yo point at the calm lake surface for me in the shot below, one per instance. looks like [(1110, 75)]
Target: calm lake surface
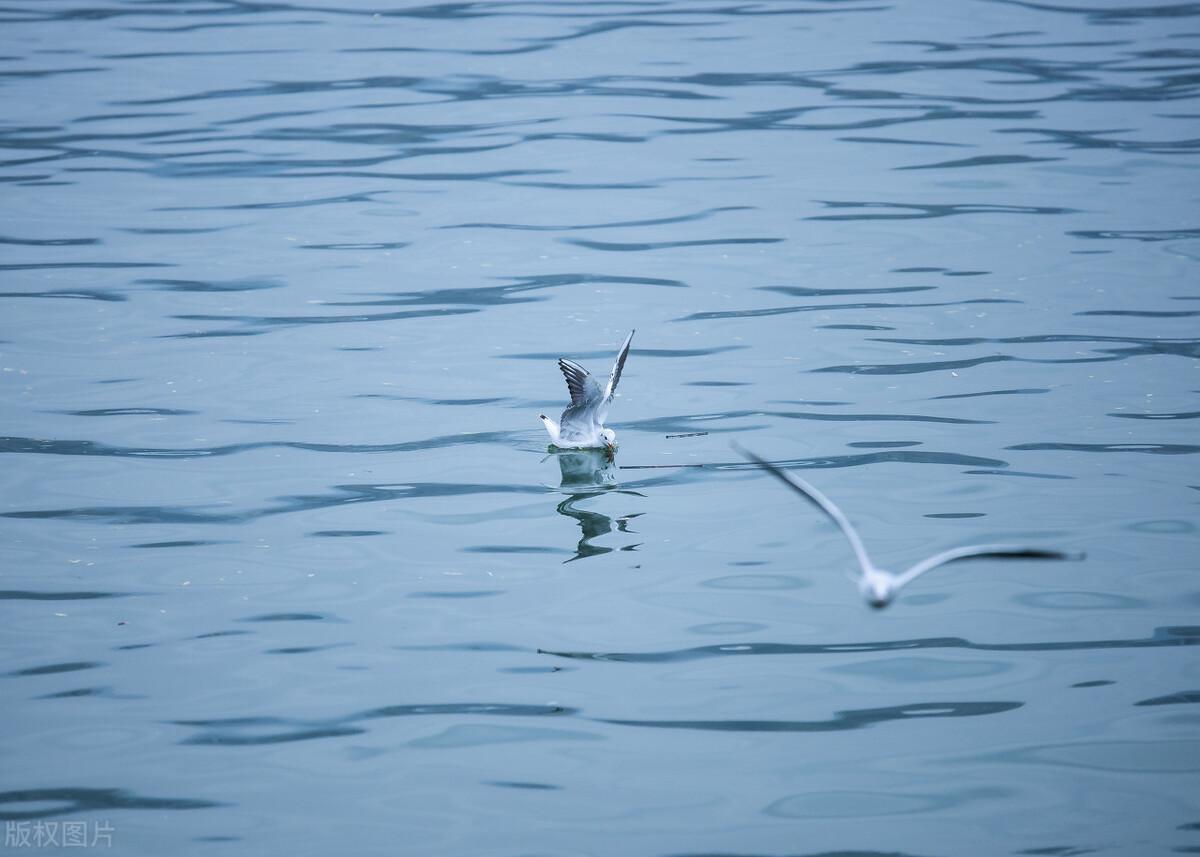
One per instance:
[(285, 567)]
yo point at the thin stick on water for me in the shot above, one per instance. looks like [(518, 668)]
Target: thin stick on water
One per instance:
[(655, 466)]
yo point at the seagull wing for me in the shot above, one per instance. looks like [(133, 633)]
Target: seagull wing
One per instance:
[(582, 385), (812, 495), (981, 552), (617, 367)]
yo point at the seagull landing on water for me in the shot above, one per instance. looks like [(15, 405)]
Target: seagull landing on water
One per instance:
[(877, 586), (582, 423)]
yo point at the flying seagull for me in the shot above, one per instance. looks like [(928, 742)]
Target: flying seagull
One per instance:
[(875, 584), (582, 423)]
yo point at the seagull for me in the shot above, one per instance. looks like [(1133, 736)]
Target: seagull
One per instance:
[(875, 584), (582, 423)]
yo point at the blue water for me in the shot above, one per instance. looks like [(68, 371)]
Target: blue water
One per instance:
[(286, 567)]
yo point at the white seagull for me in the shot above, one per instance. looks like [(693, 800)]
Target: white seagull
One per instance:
[(582, 423), (875, 584)]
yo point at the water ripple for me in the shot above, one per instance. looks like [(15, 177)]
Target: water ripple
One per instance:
[(70, 294), (341, 495), (841, 721), (249, 731), (48, 242), (88, 447), (126, 412), (516, 291), (787, 310), (1136, 347), (1152, 448), (34, 595), (1183, 697), (979, 161), (365, 196), (62, 266), (808, 292), (256, 325), (1071, 139), (52, 669), (685, 422), (659, 221), (1114, 14), (245, 284), (1142, 313), (1165, 636), (1186, 415), (1145, 235), (914, 368), (923, 211), (782, 119), (665, 245), (1018, 392), (73, 801)]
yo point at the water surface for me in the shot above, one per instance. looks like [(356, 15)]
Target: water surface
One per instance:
[(287, 568)]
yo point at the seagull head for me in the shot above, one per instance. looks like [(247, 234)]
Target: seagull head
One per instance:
[(610, 441)]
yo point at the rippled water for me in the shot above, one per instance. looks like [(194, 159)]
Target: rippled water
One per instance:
[(287, 569)]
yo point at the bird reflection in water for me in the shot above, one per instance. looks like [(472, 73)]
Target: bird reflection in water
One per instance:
[(585, 474)]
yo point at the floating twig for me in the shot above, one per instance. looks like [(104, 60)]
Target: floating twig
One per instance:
[(656, 466), (688, 434)]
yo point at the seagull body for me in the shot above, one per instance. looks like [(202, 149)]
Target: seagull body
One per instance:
[(879, 586), (582, 423)]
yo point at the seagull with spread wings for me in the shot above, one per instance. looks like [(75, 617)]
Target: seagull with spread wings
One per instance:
[(875, 584), (582, 423)]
